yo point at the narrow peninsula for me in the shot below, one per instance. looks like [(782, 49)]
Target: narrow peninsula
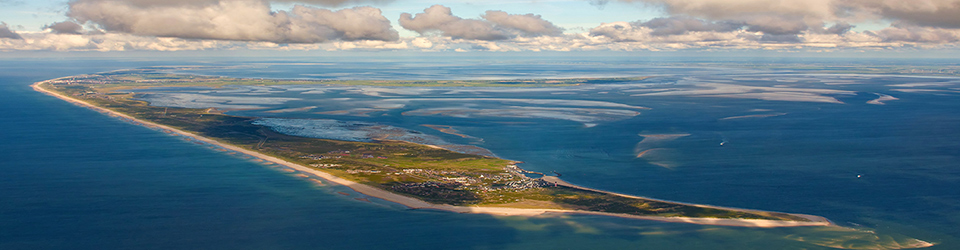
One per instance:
[(414, 175)]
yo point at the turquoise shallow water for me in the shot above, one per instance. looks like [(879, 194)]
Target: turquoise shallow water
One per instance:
[(75, 179)]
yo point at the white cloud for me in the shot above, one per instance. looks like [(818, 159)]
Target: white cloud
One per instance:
[(5, 32), (528, 25), (495, 25), (238, 20), (918, 34), (108, 42), (170, 25), (422, 43), (813, 13), (439, 18), (66, 27), (207, 2)]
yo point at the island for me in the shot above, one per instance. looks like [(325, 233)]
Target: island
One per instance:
[(414, 175)]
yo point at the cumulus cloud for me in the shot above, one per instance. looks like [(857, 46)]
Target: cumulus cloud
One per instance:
[(146, 3), (782, 38), (66, 27), (675, 33), (101, 42), (439, 18), (791, 22), (168, 25), (422, 43), (495, 25), (92, 41), (659, 31), (925, 13), (700, 22), (335, 2), (619, 31), (5, 32), (770, 17), (237, 20), (776, 25), (529, 24), (838, 28), (900, 32), (678, 25), (738, 9)]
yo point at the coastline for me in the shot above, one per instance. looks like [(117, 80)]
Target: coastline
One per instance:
[(414, 203)]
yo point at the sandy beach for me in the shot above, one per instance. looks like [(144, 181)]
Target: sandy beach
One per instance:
[(414, 203)]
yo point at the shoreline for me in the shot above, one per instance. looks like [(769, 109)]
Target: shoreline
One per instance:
[(414, 203)]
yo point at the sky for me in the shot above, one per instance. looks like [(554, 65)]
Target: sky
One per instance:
[(825, 26)]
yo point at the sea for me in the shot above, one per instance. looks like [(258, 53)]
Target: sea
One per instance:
[(870, 144)]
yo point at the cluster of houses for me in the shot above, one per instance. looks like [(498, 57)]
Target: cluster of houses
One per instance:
[(81, 79), (355, 171), (325, 165), (336, 154), (512, 179), (370, 156), (312, 157), (523, 184), (339, 152)]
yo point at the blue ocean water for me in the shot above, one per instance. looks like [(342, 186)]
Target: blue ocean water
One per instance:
[(75, 179)]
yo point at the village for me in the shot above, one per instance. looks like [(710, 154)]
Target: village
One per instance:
[(511, 178)]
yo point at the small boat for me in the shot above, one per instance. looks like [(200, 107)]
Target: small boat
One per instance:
[(723, 142)]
